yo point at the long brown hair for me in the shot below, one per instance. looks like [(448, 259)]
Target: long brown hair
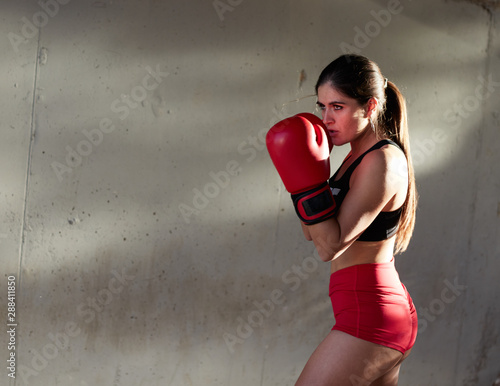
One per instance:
[(360, 78)]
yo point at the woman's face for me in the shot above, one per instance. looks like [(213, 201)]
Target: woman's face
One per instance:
[(344, 118)]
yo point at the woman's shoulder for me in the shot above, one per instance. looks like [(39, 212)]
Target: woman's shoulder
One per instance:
[(384, 163)]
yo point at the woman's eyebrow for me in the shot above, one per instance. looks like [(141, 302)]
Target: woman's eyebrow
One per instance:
[(331, 103)]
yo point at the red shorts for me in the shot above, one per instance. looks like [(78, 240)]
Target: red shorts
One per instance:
[(370, 302)]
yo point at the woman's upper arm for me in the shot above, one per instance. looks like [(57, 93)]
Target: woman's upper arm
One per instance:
[(371, 188)]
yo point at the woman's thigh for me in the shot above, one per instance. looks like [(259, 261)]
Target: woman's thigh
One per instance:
[(342, 359)]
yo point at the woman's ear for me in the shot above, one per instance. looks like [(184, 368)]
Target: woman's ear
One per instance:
[(371, 107)]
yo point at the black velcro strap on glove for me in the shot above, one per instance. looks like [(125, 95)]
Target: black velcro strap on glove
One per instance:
[(315, 205)]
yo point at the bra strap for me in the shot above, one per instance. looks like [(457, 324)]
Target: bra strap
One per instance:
[(358, 160)]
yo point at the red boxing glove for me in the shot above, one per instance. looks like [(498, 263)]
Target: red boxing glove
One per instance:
[(299, 148), (318, 122)]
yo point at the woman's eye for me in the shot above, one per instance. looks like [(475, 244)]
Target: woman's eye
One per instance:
[(337, 107)]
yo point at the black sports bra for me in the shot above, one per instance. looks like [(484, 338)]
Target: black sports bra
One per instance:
[(385, 224)]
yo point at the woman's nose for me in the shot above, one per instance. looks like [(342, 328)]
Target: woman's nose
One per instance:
[(327, 116)]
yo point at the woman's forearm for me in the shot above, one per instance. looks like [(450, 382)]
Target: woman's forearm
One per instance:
[(326, 237)]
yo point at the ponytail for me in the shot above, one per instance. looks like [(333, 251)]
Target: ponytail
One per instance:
[(394, 125)]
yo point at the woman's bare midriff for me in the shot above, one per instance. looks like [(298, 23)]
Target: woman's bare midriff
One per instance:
[(365, 252)]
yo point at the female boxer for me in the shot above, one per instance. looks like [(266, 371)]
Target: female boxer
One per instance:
[(358, 222)]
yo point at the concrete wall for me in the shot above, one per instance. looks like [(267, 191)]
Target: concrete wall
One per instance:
[(150, 238)]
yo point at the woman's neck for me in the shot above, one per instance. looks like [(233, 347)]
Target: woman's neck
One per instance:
[(363, 142)]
